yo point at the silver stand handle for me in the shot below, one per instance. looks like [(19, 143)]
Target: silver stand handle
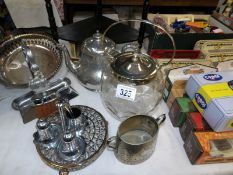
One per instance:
[(63, 105), (38, 79)]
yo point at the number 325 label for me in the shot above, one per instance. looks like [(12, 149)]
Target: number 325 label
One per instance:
[(125, 92)]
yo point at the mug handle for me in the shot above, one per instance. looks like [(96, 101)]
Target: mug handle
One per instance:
[(160, 119), (111, 143)]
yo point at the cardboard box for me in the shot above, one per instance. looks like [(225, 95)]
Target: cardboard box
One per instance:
[(179, 110), (215, 50), (193, 148), (170, 18), (177, 63), (197, 80), (162, 41), (193, 123), (216, 46), (219, 114), (223, 19), (225, 65), (178, 90), (183, 73), (211, 19), (219, 60), (209, 147), (213, 97)]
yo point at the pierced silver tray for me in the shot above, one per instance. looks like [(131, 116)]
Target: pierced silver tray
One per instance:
[(95, 136), (13, 67)]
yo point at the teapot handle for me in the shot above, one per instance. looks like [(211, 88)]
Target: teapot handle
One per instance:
[(146, 22)]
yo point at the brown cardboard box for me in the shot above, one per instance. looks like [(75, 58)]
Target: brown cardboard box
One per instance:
[(183, 73), (179, 110), (193, 123), (209, 147), (178, 90)]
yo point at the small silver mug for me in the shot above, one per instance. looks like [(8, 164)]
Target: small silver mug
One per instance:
[(136, 138)]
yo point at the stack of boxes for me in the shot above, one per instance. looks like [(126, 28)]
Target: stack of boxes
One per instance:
[(204, 115), (213, 97), (176, 80)]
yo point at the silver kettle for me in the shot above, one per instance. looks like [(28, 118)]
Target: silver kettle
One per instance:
[(95, 54)]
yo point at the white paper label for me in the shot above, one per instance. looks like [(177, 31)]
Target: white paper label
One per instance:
[(125, 92)]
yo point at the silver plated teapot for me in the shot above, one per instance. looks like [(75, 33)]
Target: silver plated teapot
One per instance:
[(133, 83), (94, 56)]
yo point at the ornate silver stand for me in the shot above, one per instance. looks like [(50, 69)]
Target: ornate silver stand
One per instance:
[(94, 134)]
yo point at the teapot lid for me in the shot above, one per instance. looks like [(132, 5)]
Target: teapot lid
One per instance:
[(95, 45), (134, 66)]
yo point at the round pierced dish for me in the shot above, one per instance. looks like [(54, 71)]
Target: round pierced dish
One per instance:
[(14, 70)]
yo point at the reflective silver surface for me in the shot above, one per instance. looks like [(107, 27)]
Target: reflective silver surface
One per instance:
[(47, 135), (38, 80), (134, 66), (39, 105), (94, 56), (14, 69), (136, 139), (71, 147), (77, 122), (92, 140)]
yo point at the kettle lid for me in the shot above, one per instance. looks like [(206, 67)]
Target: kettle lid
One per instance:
[(134, 66), (95, 45)]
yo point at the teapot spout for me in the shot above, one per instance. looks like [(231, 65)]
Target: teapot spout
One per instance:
[(71, 66)]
